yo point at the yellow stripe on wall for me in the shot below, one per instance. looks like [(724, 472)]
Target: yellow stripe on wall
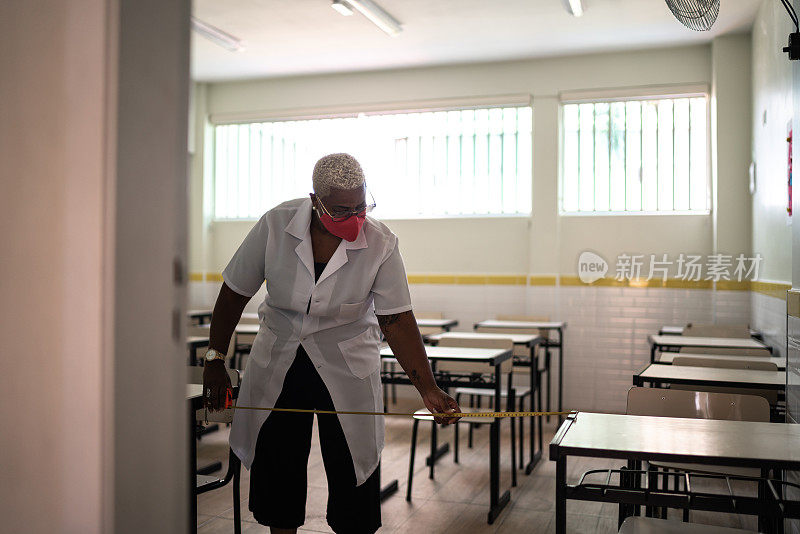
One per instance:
[(772, 289), (734, 285), (538, 280)]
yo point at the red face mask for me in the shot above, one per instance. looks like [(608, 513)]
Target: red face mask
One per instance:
[(347, 229)]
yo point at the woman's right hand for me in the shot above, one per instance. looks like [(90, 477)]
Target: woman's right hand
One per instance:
[(216, 385)]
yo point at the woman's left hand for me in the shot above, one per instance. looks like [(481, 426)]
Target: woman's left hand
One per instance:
[(437, 401)]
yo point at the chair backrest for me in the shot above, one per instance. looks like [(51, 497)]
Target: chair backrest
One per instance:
[(717, 330), (515, 317), (697, 405), (771, 396), (428, 315), (732, 352), (430, 330), (497, 330), (475, 343), (724, 364), (531, 318)]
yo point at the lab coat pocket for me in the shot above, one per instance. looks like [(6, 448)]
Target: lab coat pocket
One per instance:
[(352, 310), (361, 353), (261, 351)]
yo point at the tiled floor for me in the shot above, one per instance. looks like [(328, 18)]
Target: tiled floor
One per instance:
[(456, 501)]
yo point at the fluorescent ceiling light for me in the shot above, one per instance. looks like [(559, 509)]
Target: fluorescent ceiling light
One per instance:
[(377, 15), (341, 8), (214, 34), (574, 7)]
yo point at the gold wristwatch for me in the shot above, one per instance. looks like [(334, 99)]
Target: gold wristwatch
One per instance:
[(212, 354)]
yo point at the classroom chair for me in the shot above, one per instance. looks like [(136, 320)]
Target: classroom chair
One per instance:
[(651, 525), (717, 330), (428, 315), (522, 352), (520, 392), (731, 352), (661, 402), (529, 318), (693, 361), (389, 364), (770, 395), (426, 331), (206, 483), (424, 414)]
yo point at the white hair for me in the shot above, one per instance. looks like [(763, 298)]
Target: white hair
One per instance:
[(337, 171)]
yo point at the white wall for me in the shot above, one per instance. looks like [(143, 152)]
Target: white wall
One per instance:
[(474, 247), (772, 111)]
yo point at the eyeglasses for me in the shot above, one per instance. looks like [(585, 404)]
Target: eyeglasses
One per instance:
[(341, 215)]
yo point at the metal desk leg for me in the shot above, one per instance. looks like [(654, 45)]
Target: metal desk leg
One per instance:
[(653, 353), (561, 495), (560, 373), (389, 488), (540, 421), (763, 520), (535, 457), (436, 451), (496, 501), (549, 378), (432, 458)]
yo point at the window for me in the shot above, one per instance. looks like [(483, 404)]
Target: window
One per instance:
[(635, 156), (428, 164)]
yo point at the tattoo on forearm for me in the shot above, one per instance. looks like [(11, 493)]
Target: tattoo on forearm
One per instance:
[(414, 376)]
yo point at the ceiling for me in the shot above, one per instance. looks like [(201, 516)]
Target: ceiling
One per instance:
[(294, 37)]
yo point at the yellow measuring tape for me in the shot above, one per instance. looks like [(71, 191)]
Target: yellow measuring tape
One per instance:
[(405, 414)]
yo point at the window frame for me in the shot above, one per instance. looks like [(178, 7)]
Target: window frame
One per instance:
[(338, 112), (648, 93)]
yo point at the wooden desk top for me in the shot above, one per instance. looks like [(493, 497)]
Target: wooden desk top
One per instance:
[(678, 331), (194, 391), (704, 441), (717, 342), (517, 339), (714, 375), (440, 323), (667, 357), (541, 325), (459, 354)]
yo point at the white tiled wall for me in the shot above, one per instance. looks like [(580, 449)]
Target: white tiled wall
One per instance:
[(606, 336), (768, 314), (607, 327)]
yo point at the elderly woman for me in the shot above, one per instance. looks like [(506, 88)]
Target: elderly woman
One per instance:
[(333, 277)]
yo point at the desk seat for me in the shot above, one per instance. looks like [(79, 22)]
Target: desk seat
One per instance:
[(650, 525)]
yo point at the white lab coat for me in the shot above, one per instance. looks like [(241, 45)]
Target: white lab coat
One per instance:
[(340, 331)]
